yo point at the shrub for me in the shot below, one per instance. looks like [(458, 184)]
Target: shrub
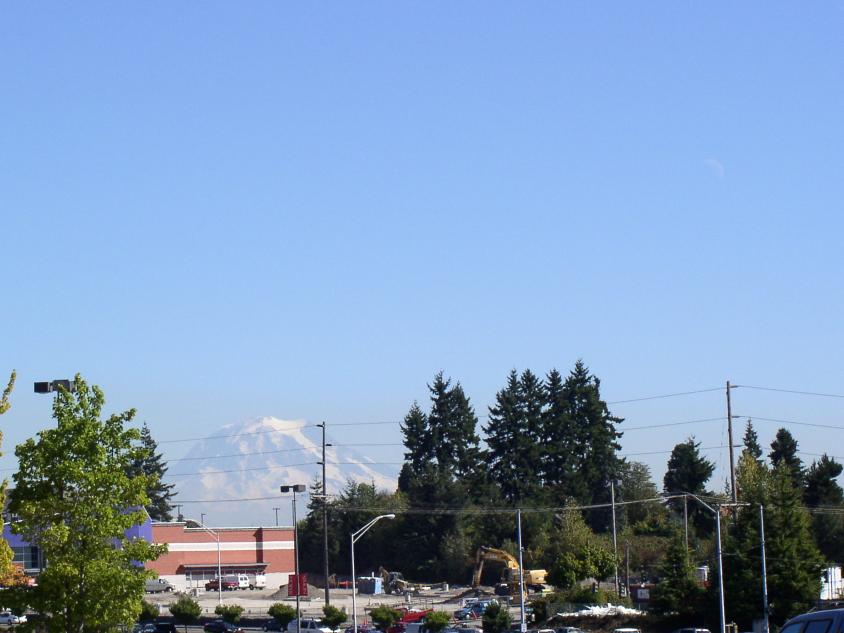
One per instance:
[(229, 612), (148, 613), (384, 617), (332, 617), (436, 621), (284, 614), (185, 610), (496, 619)]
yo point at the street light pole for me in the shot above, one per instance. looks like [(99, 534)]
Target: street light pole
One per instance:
[(764, 569), (522, 622), (614, 537), (296, 488), (354, 538), (219, 559)]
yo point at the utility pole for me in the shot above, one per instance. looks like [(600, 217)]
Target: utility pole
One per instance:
[(627, 568), (324, 518), (686, 521), (732, 458)]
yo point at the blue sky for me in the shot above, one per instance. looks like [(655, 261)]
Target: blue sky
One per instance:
[(221, 210)]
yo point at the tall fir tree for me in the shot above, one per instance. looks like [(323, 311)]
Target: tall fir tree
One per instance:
[(150, 463), (677, 591), (751, 442), (822, 491), (597, 444), (688, 471), (560, 442), (512, 437), (784, 451)]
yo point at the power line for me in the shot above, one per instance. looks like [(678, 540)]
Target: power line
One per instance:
[(239, 470), (659, 426), (779, 421), (220, 437), (666, 395), (281, 450), (795, 391), (702, 448)]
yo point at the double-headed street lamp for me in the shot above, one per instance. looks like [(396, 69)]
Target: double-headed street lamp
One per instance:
[(294, 489), (355, 537), (216, 536)]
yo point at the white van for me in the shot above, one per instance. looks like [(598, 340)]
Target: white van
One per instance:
[(257, 581)]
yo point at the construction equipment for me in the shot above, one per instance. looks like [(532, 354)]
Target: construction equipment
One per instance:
[(533, 578), (394, 582)]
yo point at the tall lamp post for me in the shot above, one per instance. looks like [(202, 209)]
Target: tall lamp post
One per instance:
[(717, 512), (355, 537), (216, 536), (614, 537), (294, 489)]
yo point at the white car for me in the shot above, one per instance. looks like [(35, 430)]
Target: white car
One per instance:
[(9, 618)]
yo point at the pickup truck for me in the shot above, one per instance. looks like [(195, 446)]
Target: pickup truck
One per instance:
[(157, 585), (228, 584)]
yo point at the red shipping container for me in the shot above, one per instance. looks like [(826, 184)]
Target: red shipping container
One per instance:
[(297, 586)]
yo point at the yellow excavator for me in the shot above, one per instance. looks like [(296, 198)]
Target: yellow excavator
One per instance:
[(533, 578)]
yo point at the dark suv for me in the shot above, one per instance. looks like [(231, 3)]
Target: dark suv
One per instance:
[(220, 626), (829, 621)]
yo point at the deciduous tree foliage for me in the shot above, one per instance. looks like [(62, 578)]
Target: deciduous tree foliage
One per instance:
[(284, 614), (75, 501), (496, 619), (185, 610), (10, 575)]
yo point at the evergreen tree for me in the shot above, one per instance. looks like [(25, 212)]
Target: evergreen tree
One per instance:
[(596, 440), (512, 437), (418, 440), (795, 564), (560, 443), (150, 464), (677, 590), (688, 471), (784, 451), (822, 490), (636, 485), (751, 442)]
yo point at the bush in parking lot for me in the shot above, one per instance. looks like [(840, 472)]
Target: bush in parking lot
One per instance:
[(149, 612), (496, 619), (384, 617), (284, 614), (229, 612), (332, 617), (185, 610), (436, 621)]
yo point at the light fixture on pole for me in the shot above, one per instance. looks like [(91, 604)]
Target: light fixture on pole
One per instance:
[(294, 489), (216, 536), (717, 512), (53, 385), (355, 537)]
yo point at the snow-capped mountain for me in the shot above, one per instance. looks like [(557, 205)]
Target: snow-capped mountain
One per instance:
[(248, 460)]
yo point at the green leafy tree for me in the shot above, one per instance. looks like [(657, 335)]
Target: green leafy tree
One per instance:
[(677, 590), (229, 612), (151, 463), (822, 491), (75, 501), (10, 575), (148, 613), (384, 617), (784, 451), (284, 614), (636, 485), (185, 610), (688, 471), (577, 553), (496, 619), (332, 617), (437, 621)]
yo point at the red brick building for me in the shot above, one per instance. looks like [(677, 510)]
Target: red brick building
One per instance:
[(192, 556)]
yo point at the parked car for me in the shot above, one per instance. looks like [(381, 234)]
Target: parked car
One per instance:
[(569, 629), (690, 630), (309, 626), (827, 621), (221, 626), (627, 630), (10, 619), (273, 625), (165, 627)]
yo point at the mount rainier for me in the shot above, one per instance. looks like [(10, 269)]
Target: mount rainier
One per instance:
[(248, 460)]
